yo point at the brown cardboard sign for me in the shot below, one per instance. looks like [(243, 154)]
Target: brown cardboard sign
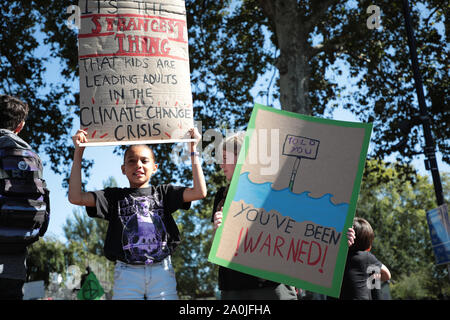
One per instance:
[(285, 219), (134, 72)]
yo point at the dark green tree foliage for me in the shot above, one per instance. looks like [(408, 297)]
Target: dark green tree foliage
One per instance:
[(24, 27), (89, 232), (229, 50), (44, 257), (313, 36), (84, 246)]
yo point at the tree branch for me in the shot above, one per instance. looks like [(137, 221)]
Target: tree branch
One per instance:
[(337, 46), (320, 8), (427, 20), (268, 7)]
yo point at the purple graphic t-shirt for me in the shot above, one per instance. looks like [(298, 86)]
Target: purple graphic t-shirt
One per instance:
[(141, 228)]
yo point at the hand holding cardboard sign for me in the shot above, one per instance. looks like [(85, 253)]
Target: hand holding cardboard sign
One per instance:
[(78, 138), (218, 219), (351, 236), (194, 135)]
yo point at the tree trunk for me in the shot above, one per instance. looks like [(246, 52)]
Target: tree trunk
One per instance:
[(294, 79), (292, 63)]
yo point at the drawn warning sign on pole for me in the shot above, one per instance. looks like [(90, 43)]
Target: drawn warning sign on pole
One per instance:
[(134, 72), (299, 147)]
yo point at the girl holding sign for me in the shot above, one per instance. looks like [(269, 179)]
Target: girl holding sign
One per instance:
[(233, 284)]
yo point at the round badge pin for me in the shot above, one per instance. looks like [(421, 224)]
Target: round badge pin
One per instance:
[(22, 165)]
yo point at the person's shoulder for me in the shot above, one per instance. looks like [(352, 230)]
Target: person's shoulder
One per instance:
[(366, 256), (109, 191), (113, 188), (151, 190), (372, 258), (6, 142), (220, 193), (166, 188), (8, 139), (357, 255)]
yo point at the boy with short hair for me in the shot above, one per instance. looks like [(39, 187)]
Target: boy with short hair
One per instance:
[(24, 198), (361, 265), (142, 233)]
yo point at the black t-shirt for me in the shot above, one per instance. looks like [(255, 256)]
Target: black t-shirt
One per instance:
[(230, 279), (141, 228), (359, 267)]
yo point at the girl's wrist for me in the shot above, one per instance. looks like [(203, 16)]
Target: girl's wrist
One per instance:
[(79, 151)]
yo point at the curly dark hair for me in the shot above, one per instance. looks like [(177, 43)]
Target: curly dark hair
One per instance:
[(12, 112)]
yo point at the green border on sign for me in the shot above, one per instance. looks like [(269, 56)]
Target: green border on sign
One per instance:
[(335, 288)]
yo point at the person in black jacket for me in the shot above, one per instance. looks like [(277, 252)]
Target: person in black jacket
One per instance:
[(363, 272), (24, 198)]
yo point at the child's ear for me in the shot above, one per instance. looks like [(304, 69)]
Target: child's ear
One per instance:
[(155, 167), (19, 127), (123, 168)]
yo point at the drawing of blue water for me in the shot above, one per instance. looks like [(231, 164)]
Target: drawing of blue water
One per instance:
[(300, 207)]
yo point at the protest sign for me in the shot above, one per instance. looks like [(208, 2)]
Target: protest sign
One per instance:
[(439, 227), (289, 225), (134, 72)]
